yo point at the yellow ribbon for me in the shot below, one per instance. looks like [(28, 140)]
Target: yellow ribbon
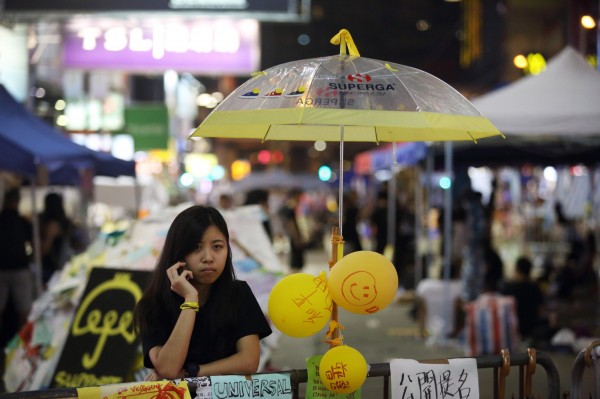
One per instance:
[(388, 66), (344, 39), (333, 325), (334, 342)]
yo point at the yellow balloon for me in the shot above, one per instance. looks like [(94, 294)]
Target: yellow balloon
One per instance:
[(300, 305), (363, 282), (343, 369)]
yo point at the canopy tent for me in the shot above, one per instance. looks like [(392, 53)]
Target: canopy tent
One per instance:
[(561, 101), (27, 143), (29, 146), (104, 164), (552, 118)]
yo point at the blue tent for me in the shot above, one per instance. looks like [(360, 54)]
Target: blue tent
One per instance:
[(28, 143)]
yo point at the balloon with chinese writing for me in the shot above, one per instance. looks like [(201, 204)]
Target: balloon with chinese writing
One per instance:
[(363, 282), (300, 305), (343, 369)]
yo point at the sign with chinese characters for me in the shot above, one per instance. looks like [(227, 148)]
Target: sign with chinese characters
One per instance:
[(101, 342), (315, 389), (207, 46), (411, 379)]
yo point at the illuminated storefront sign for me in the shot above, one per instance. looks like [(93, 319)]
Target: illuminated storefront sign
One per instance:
[(206, 46), (264, 10)]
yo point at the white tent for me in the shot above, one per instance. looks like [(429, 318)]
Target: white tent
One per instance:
[(562, 101), (549, 119)]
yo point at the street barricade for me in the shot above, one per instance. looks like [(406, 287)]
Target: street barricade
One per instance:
[(588, 357), (501, 366)]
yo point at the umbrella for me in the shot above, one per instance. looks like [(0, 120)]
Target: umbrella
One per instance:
[(345, 97)]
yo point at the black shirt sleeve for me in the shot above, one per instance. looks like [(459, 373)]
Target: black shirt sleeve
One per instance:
[(251, 317)]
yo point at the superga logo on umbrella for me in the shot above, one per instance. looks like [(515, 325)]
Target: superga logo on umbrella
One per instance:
[(359, 78), (360, 82)]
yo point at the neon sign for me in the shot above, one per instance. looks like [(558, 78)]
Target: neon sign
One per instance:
[(221, 46)]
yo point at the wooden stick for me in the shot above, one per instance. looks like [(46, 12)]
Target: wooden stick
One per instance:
[(336, 241)]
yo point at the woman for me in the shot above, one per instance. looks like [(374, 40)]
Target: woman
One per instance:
[(195, 318)]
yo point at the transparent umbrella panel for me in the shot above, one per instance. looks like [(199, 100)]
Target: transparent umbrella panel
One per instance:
[(373, 100)]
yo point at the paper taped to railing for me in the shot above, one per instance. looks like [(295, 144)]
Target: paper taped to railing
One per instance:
[(263, 386), (457, 378), (137, 390)]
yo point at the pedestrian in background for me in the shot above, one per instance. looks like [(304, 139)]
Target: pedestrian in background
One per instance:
[(56, 235), (528, 295), (379, 220), (16, 281), (350, 223), (290, 217), (261, 197)]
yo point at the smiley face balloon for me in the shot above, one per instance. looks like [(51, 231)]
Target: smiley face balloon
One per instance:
[(363, 282)]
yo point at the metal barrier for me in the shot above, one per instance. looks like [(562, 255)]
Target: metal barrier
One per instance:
[(590, 358), (500, 364)]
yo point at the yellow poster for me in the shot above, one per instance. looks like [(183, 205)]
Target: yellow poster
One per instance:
[(138, 390)]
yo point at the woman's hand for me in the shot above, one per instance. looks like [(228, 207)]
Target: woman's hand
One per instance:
[(180, 278), (152, 376)]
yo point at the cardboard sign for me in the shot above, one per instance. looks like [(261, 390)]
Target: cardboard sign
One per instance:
[(102, 345), (137, 390), (315, 389), (263, 386)]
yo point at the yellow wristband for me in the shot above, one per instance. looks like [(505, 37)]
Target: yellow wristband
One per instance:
[(190, 305)]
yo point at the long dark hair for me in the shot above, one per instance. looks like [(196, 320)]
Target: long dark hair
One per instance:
[(158, 303)]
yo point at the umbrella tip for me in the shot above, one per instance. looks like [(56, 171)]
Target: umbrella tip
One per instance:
[(344, 39)]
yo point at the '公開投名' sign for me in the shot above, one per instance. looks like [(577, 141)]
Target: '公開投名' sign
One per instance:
[(102, 344), (411, 379)]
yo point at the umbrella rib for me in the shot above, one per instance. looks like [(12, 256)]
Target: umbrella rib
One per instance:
[(471, 136), (309, 85), (408, 92), (265, 136)]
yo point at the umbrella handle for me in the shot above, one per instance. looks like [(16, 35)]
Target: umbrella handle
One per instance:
[(344, 39), (337, 248)]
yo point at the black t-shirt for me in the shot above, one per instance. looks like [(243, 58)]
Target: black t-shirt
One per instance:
[(250, 320), (15, 232), (529, 298)]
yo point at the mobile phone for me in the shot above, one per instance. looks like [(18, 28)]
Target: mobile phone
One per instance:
[(182, 269)]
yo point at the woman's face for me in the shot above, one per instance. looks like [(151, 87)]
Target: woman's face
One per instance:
[(207, 261)]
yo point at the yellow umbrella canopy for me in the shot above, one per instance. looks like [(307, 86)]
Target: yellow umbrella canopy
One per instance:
[(364, 99)]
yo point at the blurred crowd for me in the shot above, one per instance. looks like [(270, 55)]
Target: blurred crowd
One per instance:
[(537, 295)]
